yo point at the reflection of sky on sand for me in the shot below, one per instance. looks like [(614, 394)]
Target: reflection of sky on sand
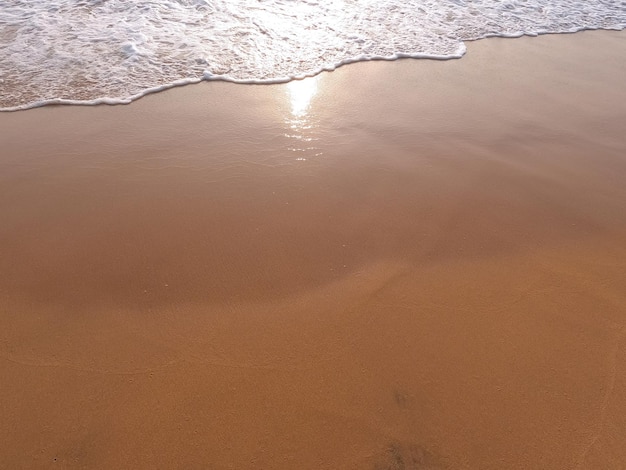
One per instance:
[(300, 94)]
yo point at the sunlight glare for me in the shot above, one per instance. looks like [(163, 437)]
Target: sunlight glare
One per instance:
[(300, 94)]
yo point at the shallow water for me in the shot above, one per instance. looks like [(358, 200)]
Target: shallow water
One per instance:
[(113, 51)]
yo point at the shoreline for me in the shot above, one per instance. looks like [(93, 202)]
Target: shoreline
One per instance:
[(409, 264), (282, 80)]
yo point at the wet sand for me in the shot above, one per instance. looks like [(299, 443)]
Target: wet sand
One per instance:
[(406, 265)]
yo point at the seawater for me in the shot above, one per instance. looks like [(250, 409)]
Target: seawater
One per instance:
[(114, 51)]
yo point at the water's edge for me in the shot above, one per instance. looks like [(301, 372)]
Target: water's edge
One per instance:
[(226, 78)]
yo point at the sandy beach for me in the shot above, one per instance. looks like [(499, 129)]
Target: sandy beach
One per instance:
[(397, 265)]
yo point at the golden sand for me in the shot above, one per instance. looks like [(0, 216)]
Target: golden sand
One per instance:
[(406, 265)]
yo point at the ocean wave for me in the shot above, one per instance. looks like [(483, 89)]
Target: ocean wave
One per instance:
[(114, 51)]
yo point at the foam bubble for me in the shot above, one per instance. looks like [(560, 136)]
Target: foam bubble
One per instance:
[(114, 51)]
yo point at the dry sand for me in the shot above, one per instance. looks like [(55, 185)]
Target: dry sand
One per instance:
[(425, 269)]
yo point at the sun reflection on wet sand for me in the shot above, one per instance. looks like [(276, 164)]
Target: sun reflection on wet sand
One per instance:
[(300, 93)]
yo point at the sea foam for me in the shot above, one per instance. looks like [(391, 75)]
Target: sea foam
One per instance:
[(114, 51)]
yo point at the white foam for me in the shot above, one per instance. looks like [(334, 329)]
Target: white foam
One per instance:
[(115, 51)]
